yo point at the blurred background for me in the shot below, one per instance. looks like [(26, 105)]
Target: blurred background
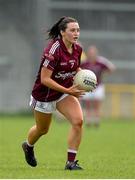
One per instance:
[(108, 24)]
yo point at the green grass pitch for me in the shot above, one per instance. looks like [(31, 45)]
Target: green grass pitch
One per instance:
[(106, 152)]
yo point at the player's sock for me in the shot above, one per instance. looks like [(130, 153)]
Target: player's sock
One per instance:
[(30, 145), (96, 121), (89, 121), (71, 154)]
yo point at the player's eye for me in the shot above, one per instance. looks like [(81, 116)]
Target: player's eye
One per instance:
[(72, 30), (78, 30), (75, 30)]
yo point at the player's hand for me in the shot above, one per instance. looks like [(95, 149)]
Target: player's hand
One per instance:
[(76, 91)]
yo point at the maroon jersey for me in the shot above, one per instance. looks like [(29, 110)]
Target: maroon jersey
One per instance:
[(62, 63), (98, 67)]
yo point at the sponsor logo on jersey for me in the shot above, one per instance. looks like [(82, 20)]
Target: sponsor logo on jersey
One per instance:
[(63, 63), (64, 75), (72, 61)]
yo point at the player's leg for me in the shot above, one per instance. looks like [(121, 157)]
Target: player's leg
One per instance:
[(41, 127), (97, 111), (71, 109), (88, 105), (98, 99)]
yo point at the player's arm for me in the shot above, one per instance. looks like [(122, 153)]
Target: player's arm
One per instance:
[(49, 82), (78, 69), (110, 67)]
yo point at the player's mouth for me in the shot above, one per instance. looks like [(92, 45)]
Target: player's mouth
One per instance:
[(75, 38)]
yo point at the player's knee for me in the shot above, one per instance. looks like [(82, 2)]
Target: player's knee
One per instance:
[(42, 131), (78, 123)]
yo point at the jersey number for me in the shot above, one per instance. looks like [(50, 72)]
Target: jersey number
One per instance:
[(72, 64)]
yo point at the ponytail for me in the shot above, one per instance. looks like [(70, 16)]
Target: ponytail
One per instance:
[(61, 24)]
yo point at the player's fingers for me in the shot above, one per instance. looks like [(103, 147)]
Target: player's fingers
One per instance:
[(78, 87), (75, 86)]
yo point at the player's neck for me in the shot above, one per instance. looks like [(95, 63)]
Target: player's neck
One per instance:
[(68, 46)]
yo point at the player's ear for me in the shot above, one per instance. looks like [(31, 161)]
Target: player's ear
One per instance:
[(62, 33)]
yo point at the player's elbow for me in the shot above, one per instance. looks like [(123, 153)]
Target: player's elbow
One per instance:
[(113, 68), (44, 80)]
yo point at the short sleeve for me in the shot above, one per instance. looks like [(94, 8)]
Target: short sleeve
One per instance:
[(49, 61), (106, 63), (51, 55)]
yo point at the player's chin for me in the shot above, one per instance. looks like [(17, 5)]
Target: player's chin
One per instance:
[(75, 40)]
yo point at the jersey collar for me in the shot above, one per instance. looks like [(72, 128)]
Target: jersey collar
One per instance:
[(64, 47)]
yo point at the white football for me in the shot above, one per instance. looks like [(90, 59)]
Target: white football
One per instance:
[(86, 80)]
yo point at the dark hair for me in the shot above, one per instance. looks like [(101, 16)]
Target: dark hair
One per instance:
[(61, 24)]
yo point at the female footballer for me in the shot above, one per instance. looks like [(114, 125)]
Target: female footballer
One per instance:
[(54, 89), (92, 101)]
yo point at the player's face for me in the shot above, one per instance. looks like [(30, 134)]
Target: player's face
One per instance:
[(92, 53), (72, 32)]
